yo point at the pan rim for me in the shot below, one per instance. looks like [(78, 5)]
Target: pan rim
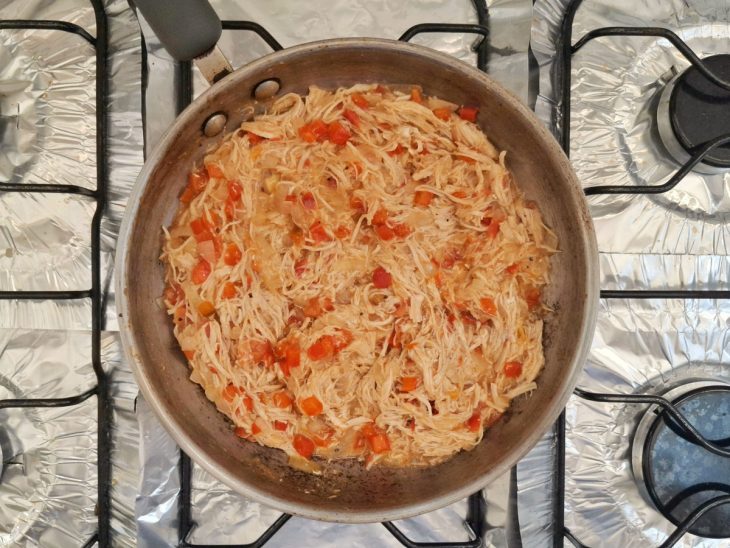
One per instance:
[(198, 454)]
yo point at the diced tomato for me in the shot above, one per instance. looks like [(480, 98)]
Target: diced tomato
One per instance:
[(401, 230), (474, 423), (174, 293), (468, 318), (323, 348), (408, 384), (342, 340), (382, 278), (187, 195), (397, 151), (381, 89), (338, 133), (229, 209), (532, 296), (281, 425), (442, 113), (254, 139), (288, 354), (197, 180), (512, 370), (206, 308), (376, 438), (359, 100), (314, 309), (214, 170), (255, 429), (416, 95), (189, 354), (311, 406), (199, 226), (300, 265), (488, 306), (248, 403), (331, 182), (323, 438), (438, 279), (230, 392), (422, 198), (241, 432), (234, 191), (450, 258), (290, 198), (232, 255), (281, 399), (318, 233), (380, 217), (261, 351), (459, 194), (352, 117), (303, 445), (229, 290), (342, 232), (200, 272), (314, 131), (308, 201), (492, 225), (358, 205), (513, 268), (384, 232), (468, 113)]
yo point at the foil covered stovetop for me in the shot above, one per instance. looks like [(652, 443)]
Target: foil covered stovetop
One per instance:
[(675, 240)]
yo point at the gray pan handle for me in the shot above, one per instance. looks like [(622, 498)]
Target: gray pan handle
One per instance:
[(189, 29)]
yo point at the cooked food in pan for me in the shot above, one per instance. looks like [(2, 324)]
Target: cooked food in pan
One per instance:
[(354, 274)]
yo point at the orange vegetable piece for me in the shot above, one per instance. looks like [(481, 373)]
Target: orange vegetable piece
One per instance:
[(254, 139), (214, 170), (422, 198), (352, 117), (230, 392), (474, 423), (229, 290), (200, 272), (376, 438), (189, 354), (261, 351), (488, 306), (288, 354), (442, 113), (311, 406), (308, 201), (409, 384), (359, 100), (314, 131), (342, 232), (234, 191), (384, 232), (401, 230), (232, 255), (342, 340), (281, 425), (255, 429), (397, 151), (513, 268), (206, 308), (382, 278), (318, 233), (248, 403), (281, 399), (380, 217), (323, 348), (416, 95), (512, 370), (338, 133), (303, 445)]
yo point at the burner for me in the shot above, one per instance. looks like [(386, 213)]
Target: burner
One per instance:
[(693, 111), (674, 473)]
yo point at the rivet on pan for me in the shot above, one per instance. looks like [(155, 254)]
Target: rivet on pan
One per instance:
[(266, 89), (214, 124)]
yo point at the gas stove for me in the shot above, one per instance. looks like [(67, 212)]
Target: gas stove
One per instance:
[(637, 93)]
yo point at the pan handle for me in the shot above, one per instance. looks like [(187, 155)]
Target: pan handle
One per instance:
[(189, 30)]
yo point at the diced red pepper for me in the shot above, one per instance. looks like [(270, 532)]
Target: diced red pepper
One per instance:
[(311, 406), (342, 340), (416, 95), (397, 151), (384, 232), (234, 191), (288, 355), (468, 113), (248, 403), (474, 423), (254, 139), (513, 268), (300, 265), (261, 351), (323, 348), (197, 180), (380, 217), (229, 290), (376, 438), (358, 205), (303, 445), (281, 425), (318, 233), (352, 117), (408, 384), (382, 278), (338, 133), (297, 236), (342, 232), (214, 170), (200, 272), (206, 308), (512, 370), (282, 400)]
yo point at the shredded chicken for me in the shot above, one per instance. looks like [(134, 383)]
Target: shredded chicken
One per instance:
[(354, 274)]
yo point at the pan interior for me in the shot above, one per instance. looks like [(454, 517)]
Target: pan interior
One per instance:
[(345, 491)]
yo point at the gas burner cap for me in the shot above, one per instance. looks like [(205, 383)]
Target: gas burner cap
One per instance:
[(694, 111), (674, 473)]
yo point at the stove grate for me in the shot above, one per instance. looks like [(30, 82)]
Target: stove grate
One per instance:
[(101, 390), (562, 79)]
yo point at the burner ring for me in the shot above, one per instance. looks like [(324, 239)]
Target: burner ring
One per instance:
[(693, 111), (664, 480)]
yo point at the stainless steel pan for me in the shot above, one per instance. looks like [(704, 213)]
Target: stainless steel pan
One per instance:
[(346, 491)]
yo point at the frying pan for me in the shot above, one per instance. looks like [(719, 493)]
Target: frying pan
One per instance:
[(345, 491)]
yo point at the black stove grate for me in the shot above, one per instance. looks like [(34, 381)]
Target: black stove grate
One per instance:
[(475, 519), (101, 390), (562, 82)]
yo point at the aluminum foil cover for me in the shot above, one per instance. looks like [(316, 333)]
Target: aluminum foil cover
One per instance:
[(676, 240), (48, 127), (222, 516)]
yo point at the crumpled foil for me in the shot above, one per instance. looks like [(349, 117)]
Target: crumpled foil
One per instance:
[(47, 127), (221, 515), (677, 240)]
